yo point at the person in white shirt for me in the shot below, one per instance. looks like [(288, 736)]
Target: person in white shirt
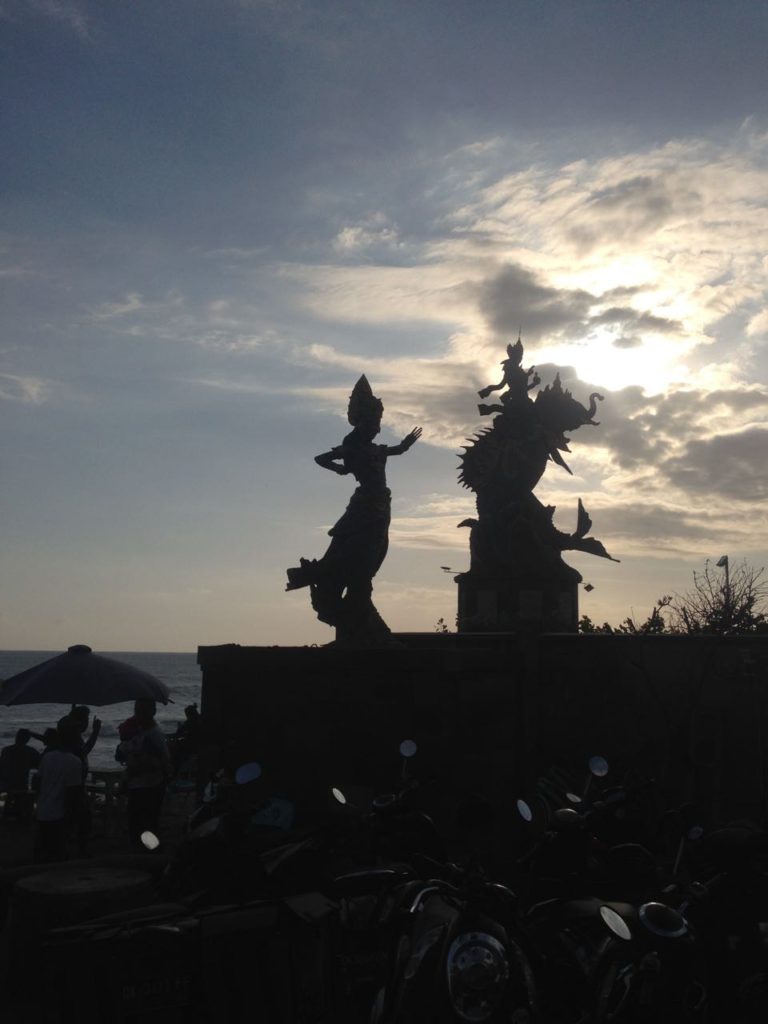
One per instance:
[(60, 794)]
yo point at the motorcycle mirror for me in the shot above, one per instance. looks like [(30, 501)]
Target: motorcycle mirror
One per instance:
[(598, 766), (276, 813), (663, 920), (205, 829), (566, 818), (678, 855), (380, 803), (408, 748), (339, 796), (616, 923), (694, 833), (524, 810), (248, 773), (698, 891), (149, 840)]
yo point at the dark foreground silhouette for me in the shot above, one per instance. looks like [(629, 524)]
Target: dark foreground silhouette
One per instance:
[(606, 910)]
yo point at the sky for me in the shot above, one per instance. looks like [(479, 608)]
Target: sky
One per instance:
[(216, 214)]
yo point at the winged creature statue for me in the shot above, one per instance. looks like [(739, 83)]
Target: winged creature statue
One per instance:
[(514, 535)]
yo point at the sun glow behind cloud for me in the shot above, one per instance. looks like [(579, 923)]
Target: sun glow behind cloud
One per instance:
[(654, 364)]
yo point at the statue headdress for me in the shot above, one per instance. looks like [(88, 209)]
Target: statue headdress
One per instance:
[(364, 406)]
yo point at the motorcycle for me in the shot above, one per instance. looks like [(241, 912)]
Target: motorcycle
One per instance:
[(459, 957), (393, 828), (607, 945), (220, 858), (354, 861), (655, 972), (729, 908)]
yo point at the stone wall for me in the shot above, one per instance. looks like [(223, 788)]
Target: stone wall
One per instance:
[(494, 714)]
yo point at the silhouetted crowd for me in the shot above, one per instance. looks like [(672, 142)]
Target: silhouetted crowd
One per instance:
[(56, 795)]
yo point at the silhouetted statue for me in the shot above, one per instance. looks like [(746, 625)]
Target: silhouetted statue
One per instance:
[(340, 583), (514, 545)]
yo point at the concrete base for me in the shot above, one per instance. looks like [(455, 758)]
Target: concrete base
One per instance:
[(509, 605), (497, 715)]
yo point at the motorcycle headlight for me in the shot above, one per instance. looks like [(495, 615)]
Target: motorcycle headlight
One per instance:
[(478, 970)]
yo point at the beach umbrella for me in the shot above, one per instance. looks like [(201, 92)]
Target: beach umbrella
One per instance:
[(81, 677)]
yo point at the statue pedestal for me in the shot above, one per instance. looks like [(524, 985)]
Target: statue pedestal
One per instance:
[(488, 605), (499, 715)]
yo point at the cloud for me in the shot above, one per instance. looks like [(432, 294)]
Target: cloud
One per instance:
[(644, 203), (655, 454), (630, 209), (662, 527), (65, 13), (371, 236), (682, 228), (758, 325), (428, 533), (641, 526), (24, 389), (731, 466), (132, 303), (380, 294), (438, 394), (625, 317), (248, 387), (515, 297), (223, 325), (657, 523), (235, 254), (642, 277), (16, 271), (638, 430), (627, 267), (628, 341)]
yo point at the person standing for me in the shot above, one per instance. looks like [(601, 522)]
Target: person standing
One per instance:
[(148, 768), (79, 717), (16, 762), (61, 794), (185, 742)]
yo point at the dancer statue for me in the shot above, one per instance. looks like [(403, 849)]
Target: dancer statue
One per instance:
[(340, 583)]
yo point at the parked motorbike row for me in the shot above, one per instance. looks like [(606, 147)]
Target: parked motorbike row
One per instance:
[(606, 914)]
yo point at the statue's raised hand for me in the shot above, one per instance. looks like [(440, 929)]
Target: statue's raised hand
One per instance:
[(405, 444)]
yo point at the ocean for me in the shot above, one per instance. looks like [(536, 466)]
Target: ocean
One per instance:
[(180, 673)]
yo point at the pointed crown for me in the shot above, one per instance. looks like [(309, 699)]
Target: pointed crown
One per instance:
[(363, 404)]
